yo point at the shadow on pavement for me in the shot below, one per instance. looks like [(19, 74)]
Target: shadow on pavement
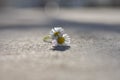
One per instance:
[(60, 48)]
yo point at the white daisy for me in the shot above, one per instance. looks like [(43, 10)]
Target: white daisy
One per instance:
[(58, 37), (63, 40), (56, 31)]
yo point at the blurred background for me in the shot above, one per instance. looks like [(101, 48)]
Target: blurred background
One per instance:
[(94, 29), (61, 3), (42, 11)]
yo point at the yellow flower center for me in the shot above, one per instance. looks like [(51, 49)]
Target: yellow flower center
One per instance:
[(61, 40), (56, 33)]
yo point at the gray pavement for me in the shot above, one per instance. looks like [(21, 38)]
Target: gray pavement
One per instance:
[(94, 53)]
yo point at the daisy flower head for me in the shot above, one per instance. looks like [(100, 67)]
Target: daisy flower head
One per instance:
[(63, 40), (59, 38), (56, 31)]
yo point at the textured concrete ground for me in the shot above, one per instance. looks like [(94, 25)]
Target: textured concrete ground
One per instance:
[(94, 53)]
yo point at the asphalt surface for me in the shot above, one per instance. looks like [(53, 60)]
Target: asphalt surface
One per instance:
[(94, 52)]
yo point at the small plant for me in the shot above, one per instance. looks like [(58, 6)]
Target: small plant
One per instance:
[(57, 37)]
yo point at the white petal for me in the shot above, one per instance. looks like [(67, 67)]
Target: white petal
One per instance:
[(67, 39), (53, 30), (65, 35), (54, 42), (56, 29)]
